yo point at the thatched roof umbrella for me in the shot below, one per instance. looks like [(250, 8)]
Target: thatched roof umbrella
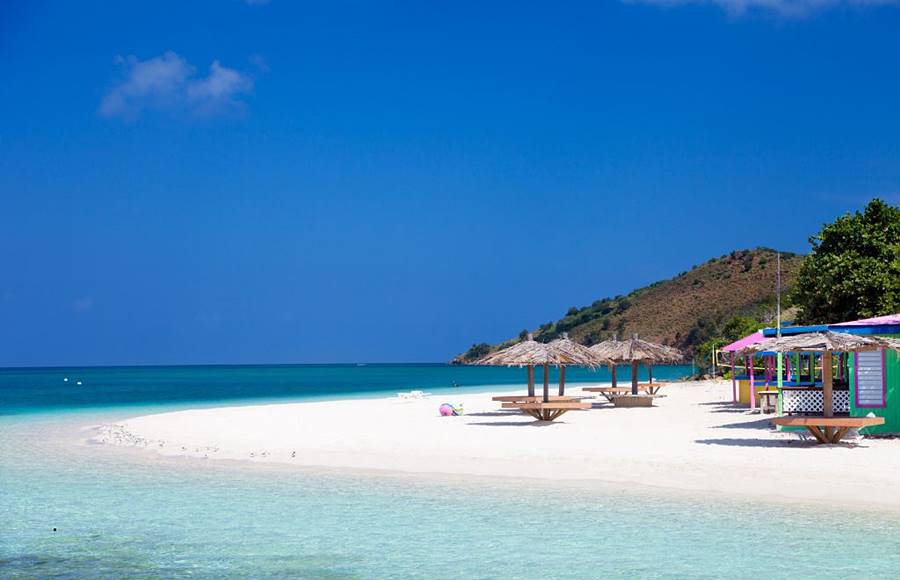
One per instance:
[(576, 351), (825, 343), (605, 351), (636, 351), (529, 353)]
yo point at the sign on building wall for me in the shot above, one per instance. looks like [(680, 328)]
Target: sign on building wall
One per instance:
[(869, 374)]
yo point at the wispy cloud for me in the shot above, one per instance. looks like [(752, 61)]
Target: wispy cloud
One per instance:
[(170, 83), (783, 8)]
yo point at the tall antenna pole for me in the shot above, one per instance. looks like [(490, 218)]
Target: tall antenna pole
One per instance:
[(778, 295)]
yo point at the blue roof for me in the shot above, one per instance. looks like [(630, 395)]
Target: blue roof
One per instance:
[(789, 330), (859, 329), (873, 329)]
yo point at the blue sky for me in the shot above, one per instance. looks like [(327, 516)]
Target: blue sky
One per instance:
[(234, 182)]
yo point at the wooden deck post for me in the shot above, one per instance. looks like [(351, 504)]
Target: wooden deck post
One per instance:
[(634, 377), (827, 399), (562, 381), (750, 365), (530, 380), (546, 383), (733, 380)]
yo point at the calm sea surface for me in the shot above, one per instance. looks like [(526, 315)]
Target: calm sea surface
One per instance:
[(127, 513)]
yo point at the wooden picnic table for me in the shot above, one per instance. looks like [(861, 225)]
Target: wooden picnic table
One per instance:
[(608, 392), (547, 411), (529, 399), (651, 388), (828, 429)]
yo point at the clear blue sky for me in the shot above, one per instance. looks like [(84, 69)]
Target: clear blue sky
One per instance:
[(229, 181)]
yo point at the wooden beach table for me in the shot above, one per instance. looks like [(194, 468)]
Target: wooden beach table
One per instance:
[(651, 388), (547, 411), (608, 392), (828, 429), (529, 399)]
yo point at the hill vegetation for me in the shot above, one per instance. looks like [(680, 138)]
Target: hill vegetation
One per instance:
[(737, 289)]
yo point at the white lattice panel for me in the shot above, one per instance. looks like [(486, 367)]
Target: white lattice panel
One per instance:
[(810, 401)]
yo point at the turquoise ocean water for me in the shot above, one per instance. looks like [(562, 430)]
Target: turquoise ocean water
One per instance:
[(127, 513)]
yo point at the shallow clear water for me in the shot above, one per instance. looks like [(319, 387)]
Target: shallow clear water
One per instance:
[(125, 512)]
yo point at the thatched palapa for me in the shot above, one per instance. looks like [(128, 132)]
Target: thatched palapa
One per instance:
[(531, 352), (528, 353), (576, 351), (607, 351), (635, 351)]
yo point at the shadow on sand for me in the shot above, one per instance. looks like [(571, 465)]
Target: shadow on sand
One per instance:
[(724, 407), (517, 423), (762, 424), (733, 442), (801, 442), (509, 413)]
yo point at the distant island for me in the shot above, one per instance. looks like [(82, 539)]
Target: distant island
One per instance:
[(683, 311)]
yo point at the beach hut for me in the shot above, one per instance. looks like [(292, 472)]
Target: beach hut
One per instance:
[(884, 369), (824, 421), (801, 380)]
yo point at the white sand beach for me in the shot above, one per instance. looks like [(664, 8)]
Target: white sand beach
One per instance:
[(693, 440)]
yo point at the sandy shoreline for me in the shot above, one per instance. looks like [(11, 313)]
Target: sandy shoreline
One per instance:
[(693, 441)]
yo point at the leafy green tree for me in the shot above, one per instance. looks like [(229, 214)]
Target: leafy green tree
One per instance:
[(739, 327), (853, 270), (734, 328), (704, 352), (477, 351)]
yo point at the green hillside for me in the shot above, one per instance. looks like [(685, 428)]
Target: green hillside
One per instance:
[(682, 311)]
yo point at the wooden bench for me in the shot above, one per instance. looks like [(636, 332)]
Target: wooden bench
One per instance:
[(608, 392), (547, 411), (828, 429)]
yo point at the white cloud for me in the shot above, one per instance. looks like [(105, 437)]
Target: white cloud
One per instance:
[(169, 83), (784, 8), (219, 90)]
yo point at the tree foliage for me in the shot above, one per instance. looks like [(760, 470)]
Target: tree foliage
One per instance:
[(853, 270), (477, 351), (735, 328)]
